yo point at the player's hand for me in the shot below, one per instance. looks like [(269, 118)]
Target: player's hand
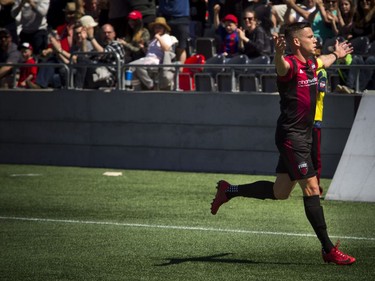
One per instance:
[(343, 48), (280, 44)]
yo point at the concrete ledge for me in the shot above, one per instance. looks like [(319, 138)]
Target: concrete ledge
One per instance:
[(206, 132)]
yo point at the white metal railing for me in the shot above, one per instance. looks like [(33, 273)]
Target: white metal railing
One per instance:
[(120, 69)]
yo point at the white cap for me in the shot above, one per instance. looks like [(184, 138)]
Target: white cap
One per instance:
[(88, 21)]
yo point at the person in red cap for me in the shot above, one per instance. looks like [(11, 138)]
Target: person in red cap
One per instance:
[(228, 32), (136, 39), (27, 73)]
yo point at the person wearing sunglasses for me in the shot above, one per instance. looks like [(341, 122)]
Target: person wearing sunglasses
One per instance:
[(254, 40)]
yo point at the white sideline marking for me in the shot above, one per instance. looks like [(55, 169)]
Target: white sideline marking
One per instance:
[(25, 175), (194, 228)]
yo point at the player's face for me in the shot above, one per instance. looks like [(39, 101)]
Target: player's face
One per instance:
[(307, 41)]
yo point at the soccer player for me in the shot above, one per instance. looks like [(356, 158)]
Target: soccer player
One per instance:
[(297, 84)]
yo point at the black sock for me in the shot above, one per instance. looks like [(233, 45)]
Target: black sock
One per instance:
[(259, 190), (315, 215)]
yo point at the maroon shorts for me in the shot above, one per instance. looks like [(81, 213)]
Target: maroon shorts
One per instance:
[(295, 159)]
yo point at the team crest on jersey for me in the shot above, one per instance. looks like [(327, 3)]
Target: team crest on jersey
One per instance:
[(322, 86), (303, 168)]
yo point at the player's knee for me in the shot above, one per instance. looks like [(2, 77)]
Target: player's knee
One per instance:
[(281, 195)]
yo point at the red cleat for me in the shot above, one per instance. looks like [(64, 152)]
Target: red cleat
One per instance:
[(337, 257), (220, 197)]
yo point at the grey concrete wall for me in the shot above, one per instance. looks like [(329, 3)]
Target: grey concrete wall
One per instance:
[(206, 132)]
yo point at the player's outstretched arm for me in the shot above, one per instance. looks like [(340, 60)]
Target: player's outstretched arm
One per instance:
[(341, 50), (282, 66)]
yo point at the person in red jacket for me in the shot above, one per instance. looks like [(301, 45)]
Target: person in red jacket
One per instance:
[(27, 73)]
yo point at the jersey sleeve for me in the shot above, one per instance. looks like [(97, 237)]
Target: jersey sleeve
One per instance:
[(291, 72)]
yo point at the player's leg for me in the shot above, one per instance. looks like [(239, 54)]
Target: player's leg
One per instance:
[(278, 190), (315, 215)]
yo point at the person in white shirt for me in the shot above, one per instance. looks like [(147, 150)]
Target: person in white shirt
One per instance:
[(31, 19), (161, 43)]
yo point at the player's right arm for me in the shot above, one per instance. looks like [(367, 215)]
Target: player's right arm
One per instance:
[(282, 66)]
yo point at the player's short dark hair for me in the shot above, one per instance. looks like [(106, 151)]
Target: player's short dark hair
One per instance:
[(293, 28)]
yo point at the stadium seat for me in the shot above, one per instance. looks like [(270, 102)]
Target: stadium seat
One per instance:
[(225, 82), (218, 60), (328, 45), (185, 82), (190, 71), (371, 49), (269, 82), (333, 80), (205, 46), (259, 60), (241, 60), (204, 82), (248, 83), (360, 45)]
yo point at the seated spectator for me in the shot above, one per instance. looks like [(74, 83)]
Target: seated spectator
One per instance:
[(31, 18), (348, 77), (104, 76), (254, 40), (137, 38), (80, 44), (27, 73), (364, 18), (345, 17), (161, 43), (8, 54), (228, 32), (49, 76)]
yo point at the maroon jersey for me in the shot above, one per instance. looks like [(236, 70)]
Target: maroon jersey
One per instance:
[(298, 91)]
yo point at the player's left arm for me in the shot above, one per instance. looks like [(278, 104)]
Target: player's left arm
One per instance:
[(341, 50)]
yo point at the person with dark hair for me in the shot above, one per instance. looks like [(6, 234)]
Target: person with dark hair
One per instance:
[(136, 39), (297, 84), (345, 17), (255, 41), (8, 54)]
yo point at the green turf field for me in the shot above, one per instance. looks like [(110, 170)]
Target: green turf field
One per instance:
[(60, 223)]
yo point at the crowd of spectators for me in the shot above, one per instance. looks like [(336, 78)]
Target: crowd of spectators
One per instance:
[(52, 31)]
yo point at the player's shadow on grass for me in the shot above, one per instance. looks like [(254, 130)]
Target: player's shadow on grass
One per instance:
[(213, 258), (219, 258)]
